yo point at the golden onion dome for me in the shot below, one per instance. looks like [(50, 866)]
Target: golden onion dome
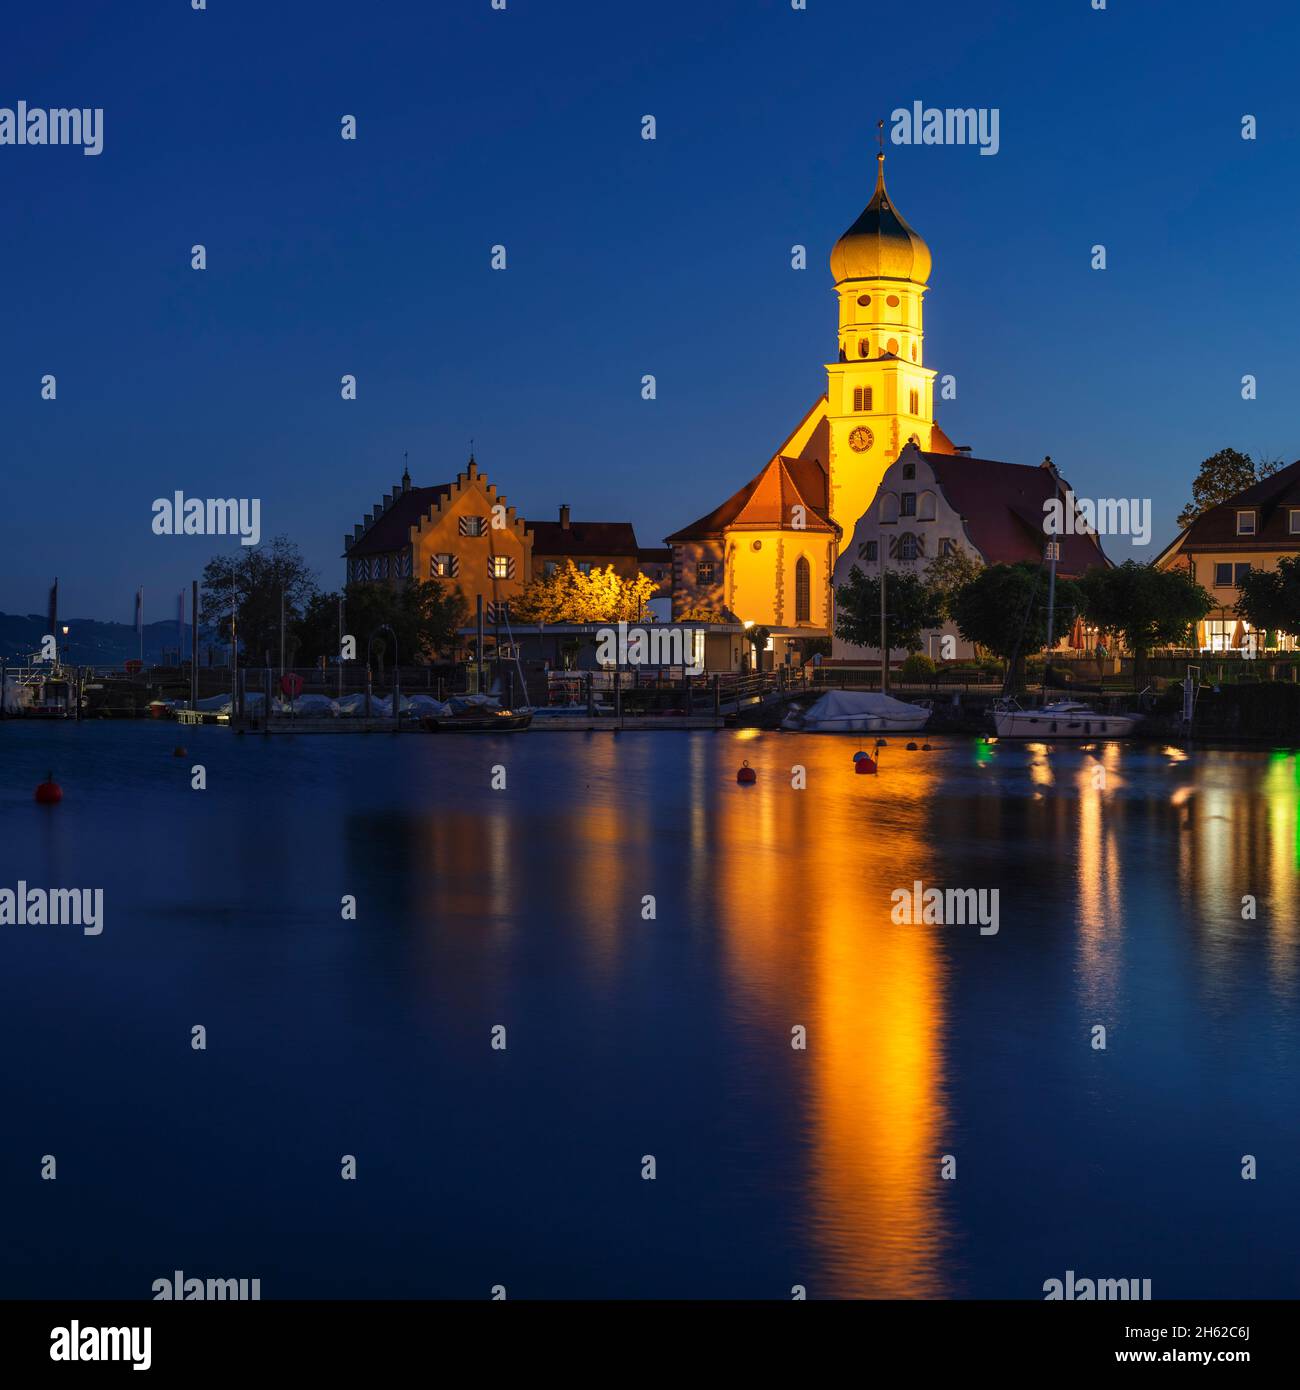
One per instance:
[(880, 245)]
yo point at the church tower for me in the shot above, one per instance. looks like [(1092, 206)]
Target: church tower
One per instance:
[(880, 394)]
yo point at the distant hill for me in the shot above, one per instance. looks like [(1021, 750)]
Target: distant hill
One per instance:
[(93, 643)]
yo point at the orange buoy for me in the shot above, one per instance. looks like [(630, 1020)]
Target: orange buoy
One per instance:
[(925, 748), (866, 763), (746, 774), (49, 793), (178, 752), (911, 747)]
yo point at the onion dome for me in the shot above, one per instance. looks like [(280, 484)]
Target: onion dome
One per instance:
[(880, 245)]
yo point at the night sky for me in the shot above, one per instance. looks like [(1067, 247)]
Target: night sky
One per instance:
[(626, 256)]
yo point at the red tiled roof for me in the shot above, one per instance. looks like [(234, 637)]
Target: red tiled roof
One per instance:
[(766, 502), (1002, 506), (657, 555), (583, 538), (392, 530), (1273, 497)]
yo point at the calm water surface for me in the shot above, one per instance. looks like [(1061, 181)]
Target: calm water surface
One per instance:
[(1120, 904)]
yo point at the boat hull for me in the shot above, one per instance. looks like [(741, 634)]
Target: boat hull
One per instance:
[(1035, 725), (476, 723), (859, 724)]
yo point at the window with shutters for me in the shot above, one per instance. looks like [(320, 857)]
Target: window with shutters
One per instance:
[(861, 398)]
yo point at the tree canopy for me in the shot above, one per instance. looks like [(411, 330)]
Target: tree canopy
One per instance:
[(249, 584), (1145, 606), (1004, 609), (912, 607), (1222, 476), (570, 596), (1270, 599)]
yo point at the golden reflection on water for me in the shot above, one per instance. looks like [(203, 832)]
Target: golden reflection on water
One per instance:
[(807, 878)]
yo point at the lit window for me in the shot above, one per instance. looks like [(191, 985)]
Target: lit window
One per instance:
[(442, 565), (499, 566), (1245, 523), (704, 572), (862, 398), (908, 507)]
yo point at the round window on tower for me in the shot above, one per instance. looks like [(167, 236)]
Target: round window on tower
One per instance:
[(893, 346), (892, 301), (758, 545), (864, 300)]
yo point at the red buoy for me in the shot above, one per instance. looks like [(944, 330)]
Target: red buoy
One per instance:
[(178, 752), (866, 763), (48, 793), (746, 774)]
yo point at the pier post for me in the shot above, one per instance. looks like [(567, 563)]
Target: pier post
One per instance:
[(591, 696), (369, 685), (397, 692), (266, 711), (717, 697)]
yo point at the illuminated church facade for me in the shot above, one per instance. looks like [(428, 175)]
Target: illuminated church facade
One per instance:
[(767, 555)]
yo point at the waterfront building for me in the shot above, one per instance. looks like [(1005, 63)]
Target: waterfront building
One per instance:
[(591, 545), (463, 533), (768, 552), (1252, 530), (929, 505)]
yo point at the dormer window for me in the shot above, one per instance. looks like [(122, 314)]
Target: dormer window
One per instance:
[(1246, 523)]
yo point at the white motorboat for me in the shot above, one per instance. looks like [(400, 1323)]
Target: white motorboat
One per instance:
[(1059, 719), (856, 712)]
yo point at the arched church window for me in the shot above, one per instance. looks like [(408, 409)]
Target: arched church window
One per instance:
[(802, 590)]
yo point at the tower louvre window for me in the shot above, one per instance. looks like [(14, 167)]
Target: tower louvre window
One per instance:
[(864, 347), (914, 397), (861, 398)]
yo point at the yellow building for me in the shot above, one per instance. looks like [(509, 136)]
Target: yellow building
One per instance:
[(463, 533), (1252, 530), (767, 555)]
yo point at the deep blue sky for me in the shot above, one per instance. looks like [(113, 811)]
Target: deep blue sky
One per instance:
[(626, 256)]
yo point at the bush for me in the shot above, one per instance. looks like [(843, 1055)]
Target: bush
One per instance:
[(917, 667)]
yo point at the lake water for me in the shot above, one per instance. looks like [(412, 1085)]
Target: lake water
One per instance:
[(1121, 873)]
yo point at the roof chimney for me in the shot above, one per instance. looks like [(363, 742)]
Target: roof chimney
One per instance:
[(564, 517)]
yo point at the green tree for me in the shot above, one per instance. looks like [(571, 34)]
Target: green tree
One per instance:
[(1222, 476), (1004, 610), (947, 574), (1270, 599), (424, 615), (1144, 606), (757, 637), (912, 607), (250, 584)]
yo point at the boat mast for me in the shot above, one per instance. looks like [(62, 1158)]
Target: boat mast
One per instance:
[(1053, 549)]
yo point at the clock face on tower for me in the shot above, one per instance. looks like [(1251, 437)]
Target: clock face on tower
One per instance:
[(861, 439)]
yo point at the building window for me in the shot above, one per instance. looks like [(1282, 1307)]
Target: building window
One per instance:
[(381, 567), (864, 300), (584, 566), (862, 398), (864, 347), (802, 590), (914, 399), (908, 504), (907, 546), (946, 547), (549, 568), (867, 551), (1295, 521), (473, 526), (404, 565), (1245, 523), (757, 545), (893, 346), (892, 301), (1228, 576), (442, 565), (500, 567), (909, 470), (704, 572)]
